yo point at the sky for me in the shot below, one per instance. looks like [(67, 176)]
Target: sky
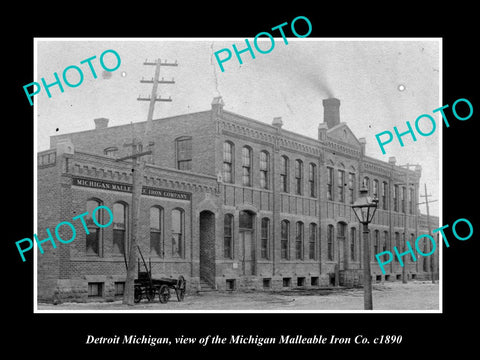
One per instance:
[(381, 83)]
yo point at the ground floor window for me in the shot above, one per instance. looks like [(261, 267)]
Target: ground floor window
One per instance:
[(95, 289)]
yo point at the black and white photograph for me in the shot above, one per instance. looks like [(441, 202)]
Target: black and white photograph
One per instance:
[(227, 193)]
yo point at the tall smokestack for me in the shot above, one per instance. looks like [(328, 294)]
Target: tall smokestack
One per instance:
[(331, 112)]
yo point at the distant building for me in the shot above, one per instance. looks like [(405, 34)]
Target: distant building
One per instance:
[(228, 202)]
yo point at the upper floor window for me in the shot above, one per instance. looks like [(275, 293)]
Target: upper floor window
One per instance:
[(351, 188), (246, 166), (284, 173), (264, 167), (412, 199), (384, 195), (329, 183), (341, 186), (228, 162), (184, 153), (312, 241), (375, 188), (312, 176), (366, 183), (395, 197), (330, 242), (111, 151), (298, 177)]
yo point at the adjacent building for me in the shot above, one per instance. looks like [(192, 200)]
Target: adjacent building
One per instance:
[(228, 202)]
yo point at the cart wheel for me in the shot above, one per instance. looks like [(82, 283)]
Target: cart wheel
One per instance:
[(164, 294), (180, 288), (137, 294), (150, 293)]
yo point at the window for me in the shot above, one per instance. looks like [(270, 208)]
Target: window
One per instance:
[(245, 220), (351, 188), (341, 185), (265, 231), (119, 288), (246, 166), (376, 243), (384, 195), (284, 173), (177, 232), (119, 228), (228, 236), (404, 199), (156, 228), (397, 244), (375, 188), (366, 183), (341, 231), (298, 177), (385, 240), (264, 167), (285, 238), (330, 242), (329, 183), (95, 289), (312, 241), (395, 198), (184, 153), (228, 162), (111, 151), (299, 241), (93, 236), (412, 197), (312, 176), (353, 243)]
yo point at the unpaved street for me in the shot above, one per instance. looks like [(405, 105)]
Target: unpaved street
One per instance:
[(415, 295)]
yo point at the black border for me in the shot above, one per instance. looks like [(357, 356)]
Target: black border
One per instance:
[(65, 334)]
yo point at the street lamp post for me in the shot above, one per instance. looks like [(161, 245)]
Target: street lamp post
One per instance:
[(364, 208)]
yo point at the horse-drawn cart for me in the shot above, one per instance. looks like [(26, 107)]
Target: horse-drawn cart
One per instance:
[(147, 288)]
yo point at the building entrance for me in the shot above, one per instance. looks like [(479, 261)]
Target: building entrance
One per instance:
[(246, 232)]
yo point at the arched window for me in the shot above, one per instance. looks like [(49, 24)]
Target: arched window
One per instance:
[(385, 241), (177, 232), (312, 241), (93, 237), (285, 239), (398, 244), (341, 185), (299, 241), (264, 169), (111, 151), (265, 238), (366, 183), (384, 195), (284, 176), (395, 197), (228, 162), (329, 183), (312, 177), (375, 188), (119, 228), (351, 188), (156, 231), (184, 152), (246, 166), (298, 177), (228, 236), (330, 235)]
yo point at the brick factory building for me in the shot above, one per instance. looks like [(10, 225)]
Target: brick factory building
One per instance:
[(228, 202)]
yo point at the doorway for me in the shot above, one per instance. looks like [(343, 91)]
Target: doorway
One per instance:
[(207, 247), (246, 238)]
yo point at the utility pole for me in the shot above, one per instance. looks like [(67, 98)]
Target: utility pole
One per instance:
[(138, 169), (432, 261)]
